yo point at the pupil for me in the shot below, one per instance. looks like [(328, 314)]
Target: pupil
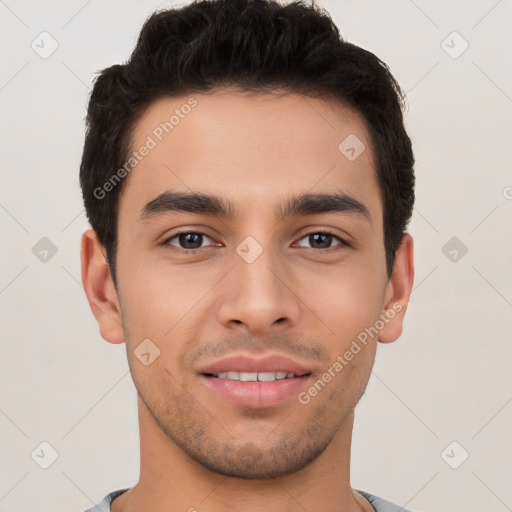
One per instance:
[(190, 240), (323, 237), (193, 240)]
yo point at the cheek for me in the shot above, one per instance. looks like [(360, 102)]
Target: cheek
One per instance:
[(168, 307), (347, 299), (157, 296)]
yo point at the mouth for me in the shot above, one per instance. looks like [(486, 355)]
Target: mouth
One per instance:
[(255, 382), (256, 376)]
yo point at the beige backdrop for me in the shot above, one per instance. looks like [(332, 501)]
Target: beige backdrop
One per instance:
[(440, 394)]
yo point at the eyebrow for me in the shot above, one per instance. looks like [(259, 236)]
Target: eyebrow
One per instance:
[(205, 204)]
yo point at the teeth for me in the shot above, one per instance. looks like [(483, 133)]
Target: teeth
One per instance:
[(248, 377), (254, 376), (266, 376)]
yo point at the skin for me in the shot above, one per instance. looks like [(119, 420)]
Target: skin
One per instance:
[(298, 299)]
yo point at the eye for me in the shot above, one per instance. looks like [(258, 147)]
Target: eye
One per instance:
[(187, 240), (323, 240), (193, 241)]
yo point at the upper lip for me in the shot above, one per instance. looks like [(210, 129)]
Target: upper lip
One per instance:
[(242, 363)]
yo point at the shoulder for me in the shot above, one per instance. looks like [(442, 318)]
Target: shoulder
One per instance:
[(104, 504), (381, 505)]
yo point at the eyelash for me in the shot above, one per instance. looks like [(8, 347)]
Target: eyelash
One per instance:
[(343, 243)]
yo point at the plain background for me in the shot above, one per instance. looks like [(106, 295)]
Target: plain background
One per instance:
[(446, 380)]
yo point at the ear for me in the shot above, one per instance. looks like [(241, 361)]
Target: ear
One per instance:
[(398, 291), (99, 288)]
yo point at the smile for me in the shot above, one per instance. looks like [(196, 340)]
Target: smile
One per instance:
[(255, 376)]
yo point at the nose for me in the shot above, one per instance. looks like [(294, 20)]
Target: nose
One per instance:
[(258, 296)]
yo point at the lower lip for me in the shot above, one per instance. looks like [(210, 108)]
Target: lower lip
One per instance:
[(256, 394)]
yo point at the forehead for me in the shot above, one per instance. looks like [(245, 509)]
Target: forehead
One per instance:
[(251, 149)]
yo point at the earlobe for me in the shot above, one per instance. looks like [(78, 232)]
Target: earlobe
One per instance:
[(99, 288), (398, 291)]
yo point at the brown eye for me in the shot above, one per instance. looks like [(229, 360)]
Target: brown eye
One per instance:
[(323, 240), (188, 241)]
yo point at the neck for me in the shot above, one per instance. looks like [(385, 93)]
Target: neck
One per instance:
[(171, 481)]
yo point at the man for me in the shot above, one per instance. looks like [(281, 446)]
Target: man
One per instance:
[(249, 181)]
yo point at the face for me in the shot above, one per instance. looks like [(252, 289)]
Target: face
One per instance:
[(277, 273)]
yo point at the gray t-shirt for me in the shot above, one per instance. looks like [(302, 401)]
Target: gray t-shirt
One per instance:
[(377, 503)]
